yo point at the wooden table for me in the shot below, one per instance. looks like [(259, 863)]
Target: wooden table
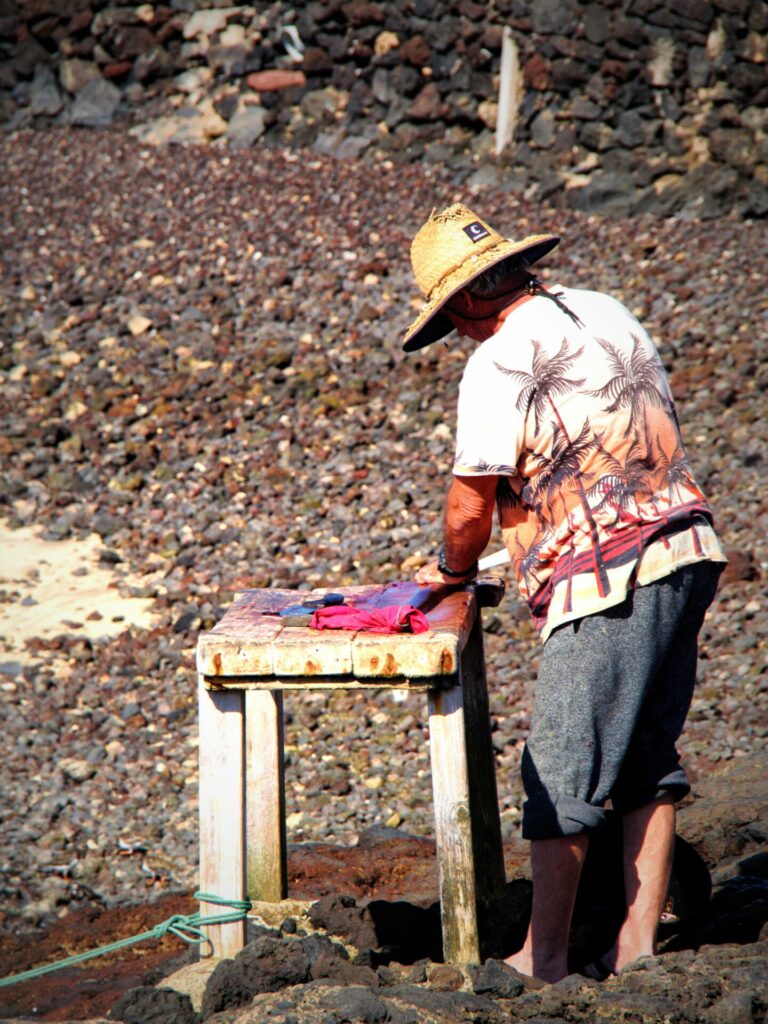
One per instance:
[(246, 662)]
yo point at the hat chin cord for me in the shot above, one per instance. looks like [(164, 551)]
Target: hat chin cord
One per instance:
[(535, 287)]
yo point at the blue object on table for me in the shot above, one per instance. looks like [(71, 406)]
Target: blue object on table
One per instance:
[(312, 603)]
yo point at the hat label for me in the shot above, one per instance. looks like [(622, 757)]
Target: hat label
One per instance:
[(476, 231)]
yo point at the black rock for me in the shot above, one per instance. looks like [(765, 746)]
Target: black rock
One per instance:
[(496, 979), (266, 965), (154, 1006), (356, 1004)]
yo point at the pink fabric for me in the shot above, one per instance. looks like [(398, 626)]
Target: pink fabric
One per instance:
[(402, 618)]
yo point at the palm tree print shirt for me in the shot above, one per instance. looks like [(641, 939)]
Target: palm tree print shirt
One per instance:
[(596, 494)]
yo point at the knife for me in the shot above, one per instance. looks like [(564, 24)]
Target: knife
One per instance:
[(497, 558)]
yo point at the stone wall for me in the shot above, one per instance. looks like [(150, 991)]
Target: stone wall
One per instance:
[(626, 105)]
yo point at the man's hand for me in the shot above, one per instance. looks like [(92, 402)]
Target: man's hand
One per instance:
[(430, 575)]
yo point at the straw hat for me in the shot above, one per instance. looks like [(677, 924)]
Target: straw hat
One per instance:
[(449, 251)]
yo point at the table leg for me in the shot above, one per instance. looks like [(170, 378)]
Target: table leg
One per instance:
[(266, 869), (222, 818), (467, 823)]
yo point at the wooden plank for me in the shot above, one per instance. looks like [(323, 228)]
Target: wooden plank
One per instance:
[(487, 846), (222, 838), (265, 599), (266, 869), (301, 651), (403, 654), (242, 643), (345, 682), (423, 655), (247, 651), (467, 823), (453, 826), (248, 642)]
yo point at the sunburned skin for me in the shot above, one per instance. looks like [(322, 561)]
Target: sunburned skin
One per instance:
[(479, 317), (467, 526)]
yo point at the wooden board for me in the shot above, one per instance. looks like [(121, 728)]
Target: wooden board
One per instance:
[(222, 818), (266, 851), (329, 683), (453, 827), (301, 651), (252, 641), (467, 823)]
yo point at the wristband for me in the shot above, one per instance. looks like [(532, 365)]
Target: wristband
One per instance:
[(452, 573)]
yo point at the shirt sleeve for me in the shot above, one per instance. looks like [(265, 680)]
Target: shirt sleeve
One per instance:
[(490, 431)]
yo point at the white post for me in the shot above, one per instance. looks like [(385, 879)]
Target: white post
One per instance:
[(265, 859), (222, 812), (509, 91)]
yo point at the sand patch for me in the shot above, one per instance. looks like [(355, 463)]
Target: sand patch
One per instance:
[(52, 587)]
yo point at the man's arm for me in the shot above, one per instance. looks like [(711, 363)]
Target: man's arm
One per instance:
[(467, 525)]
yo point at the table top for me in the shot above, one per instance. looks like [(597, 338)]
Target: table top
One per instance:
[(252, 646)]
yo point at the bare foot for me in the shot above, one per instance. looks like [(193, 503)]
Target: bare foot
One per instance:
[(550, 972), (521, 962), (627, 949)]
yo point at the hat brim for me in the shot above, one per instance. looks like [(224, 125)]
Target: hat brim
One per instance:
[(431, 324)]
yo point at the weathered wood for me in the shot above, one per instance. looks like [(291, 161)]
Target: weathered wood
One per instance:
[(453, 827), (436, 653), (252, 641), (419, 684), (398, 655), (467, 822), (301, 651), (266, 870), (222, 839), (487, 846), (252, 655)]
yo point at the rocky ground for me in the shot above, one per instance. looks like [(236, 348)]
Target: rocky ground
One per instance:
[(614, 109), (201, 364)]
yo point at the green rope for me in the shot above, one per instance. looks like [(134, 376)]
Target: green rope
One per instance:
[(187, 927)]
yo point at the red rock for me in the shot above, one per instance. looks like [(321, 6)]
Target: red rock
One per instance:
[(616, 69), (126, 42), (741, 566), (428, 105), (362, 12), (469, 9), (80, 21), (416, 51), (117, 69), (536, 72), (317, 61), (275, 79)]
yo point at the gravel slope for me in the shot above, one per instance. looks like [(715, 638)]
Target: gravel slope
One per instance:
[(200, 362)]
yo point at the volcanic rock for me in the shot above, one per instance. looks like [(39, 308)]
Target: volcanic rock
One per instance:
[(95, 104)]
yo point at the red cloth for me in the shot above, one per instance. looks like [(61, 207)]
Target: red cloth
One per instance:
[(402, 618)]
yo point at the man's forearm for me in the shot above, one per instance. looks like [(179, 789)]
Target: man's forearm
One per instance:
[(468, 520)]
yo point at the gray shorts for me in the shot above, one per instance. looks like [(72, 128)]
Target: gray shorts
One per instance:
[(611, 698)]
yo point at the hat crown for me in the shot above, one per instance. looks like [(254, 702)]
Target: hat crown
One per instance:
[(448, 240)]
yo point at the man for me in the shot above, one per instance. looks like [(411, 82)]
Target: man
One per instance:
[(566, 426)]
